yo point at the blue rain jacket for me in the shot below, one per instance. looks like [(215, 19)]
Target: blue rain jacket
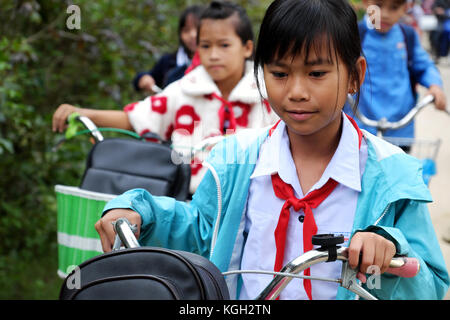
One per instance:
[(393, 203)]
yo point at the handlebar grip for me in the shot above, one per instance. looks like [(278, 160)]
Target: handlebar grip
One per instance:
[(404, 267)]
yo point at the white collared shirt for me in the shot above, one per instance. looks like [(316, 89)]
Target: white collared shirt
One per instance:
[(335, 215)]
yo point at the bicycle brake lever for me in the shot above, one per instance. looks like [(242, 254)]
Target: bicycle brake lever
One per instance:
[(349, 281), (117, 241)]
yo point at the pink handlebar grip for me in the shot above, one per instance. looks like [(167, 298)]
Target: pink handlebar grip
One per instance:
[(410, 267)]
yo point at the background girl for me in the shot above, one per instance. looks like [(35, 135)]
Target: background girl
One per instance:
[(314, 172), (176, 62), (218, 97)]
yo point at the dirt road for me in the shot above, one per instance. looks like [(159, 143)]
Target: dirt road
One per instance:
[(433, 124)]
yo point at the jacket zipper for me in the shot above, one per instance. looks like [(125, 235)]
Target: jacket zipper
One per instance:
[(383, 214), (219, 206)]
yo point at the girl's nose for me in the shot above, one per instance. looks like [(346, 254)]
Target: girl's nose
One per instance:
[(384, 13), (214, 53), (298, 90)]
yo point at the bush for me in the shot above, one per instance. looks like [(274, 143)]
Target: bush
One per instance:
[(43, 64)]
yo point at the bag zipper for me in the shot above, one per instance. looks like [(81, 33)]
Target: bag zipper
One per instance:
[(213, 280), (172, 289)]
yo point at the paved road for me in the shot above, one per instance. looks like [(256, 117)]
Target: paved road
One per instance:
[(433, 124)]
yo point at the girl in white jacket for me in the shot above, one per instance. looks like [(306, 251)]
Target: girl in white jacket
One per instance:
[(218, 97)]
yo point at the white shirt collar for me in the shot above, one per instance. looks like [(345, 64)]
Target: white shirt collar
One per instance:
[(344, 167), (182, 57), (199, 82)]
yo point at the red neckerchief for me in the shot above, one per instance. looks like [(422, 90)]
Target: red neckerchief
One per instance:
[(285, 191), (226, 113)]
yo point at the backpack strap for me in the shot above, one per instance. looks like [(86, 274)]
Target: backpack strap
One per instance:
[(362, 27), (410, 40)]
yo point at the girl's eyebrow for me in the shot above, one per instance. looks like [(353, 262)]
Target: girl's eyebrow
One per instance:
[(318, 61), (278, 63), (221, 39)]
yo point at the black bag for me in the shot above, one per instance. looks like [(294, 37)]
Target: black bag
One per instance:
[(116, 165), (145, 273)]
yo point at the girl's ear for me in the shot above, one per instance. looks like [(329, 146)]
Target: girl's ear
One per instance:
[(248, 49), (361, 66)]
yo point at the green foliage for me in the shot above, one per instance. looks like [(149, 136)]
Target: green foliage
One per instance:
[(359, 8), (43, 63)]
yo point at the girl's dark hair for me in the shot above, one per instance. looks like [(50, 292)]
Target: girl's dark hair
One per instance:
[(218, 10), (291, 26), (195, 11)]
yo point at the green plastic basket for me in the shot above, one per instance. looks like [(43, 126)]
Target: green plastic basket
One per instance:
[(78, 211)]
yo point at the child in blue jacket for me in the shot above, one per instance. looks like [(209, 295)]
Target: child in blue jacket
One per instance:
[(267, 191), (389, 89)]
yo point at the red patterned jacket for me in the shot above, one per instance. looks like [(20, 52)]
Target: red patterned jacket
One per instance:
[(192, 109)]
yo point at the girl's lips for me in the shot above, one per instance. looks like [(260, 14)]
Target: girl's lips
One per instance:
[(300, 115), (215, 67), (384, 25)]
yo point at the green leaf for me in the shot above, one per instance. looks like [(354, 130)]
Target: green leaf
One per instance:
[(74, 125), (6, 144)]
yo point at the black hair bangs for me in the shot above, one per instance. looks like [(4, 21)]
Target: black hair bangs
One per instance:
[(294, 31), (220, 10), (295, 27), (290, 28)]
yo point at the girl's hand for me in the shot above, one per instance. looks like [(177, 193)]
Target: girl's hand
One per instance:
[(105, 228), (439, 97), (59, 121), (375, 249), (146, 83)]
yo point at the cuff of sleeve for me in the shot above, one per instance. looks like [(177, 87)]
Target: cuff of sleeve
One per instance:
[(392, 234), (434, 82), (114, 204), (131, 200)]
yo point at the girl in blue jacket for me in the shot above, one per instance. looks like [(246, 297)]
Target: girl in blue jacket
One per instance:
[(268, 191)]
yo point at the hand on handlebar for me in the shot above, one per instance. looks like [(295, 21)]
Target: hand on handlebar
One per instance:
[(374, 249), (439, 97), (59, 120), (105, 227)]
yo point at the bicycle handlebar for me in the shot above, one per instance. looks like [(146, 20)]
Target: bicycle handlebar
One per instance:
[(125, 234), (299, 264), (383, 125), (91, 127), (96, 133), (400, 266)]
